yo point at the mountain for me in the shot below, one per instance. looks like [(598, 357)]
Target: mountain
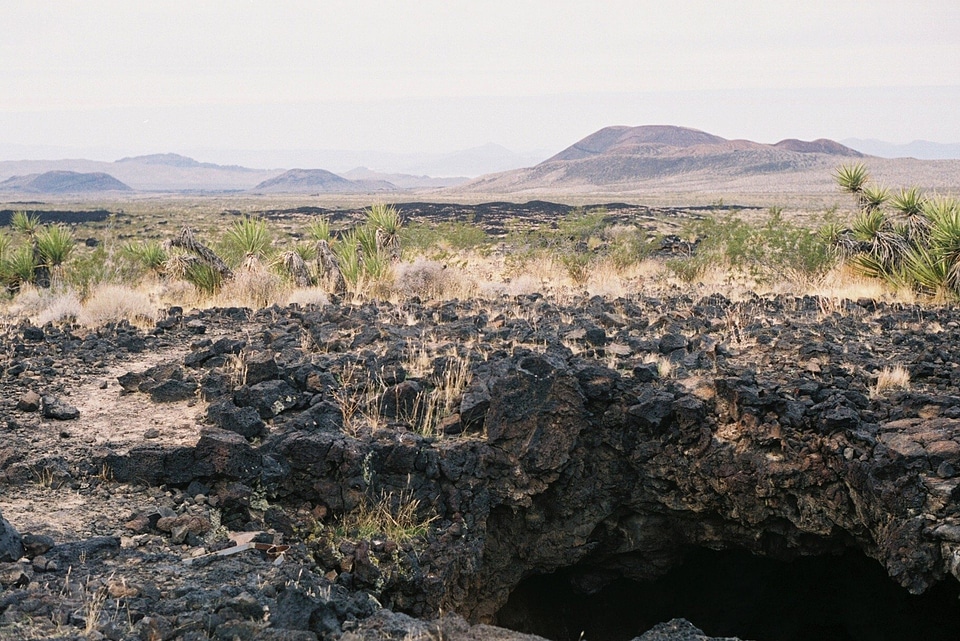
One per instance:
[(157, 172), (63, 182), (404, 181), (176, 160), (299, 181), (921, 149), (624, 159)]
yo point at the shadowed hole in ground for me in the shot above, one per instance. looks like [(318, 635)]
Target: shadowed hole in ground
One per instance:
[(733, 593)]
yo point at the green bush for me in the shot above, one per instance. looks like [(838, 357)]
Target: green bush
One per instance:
[(766, 252)]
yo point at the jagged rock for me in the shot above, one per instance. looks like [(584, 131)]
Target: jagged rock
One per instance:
[(11, 543), (170, 391), (401, 400), (245, 421), (260, 367), (268, 398), (52, 407)]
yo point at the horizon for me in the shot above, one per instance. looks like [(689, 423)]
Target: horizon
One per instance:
[(220, 82)]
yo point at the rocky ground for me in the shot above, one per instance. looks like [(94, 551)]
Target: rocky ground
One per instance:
[(380, 471)]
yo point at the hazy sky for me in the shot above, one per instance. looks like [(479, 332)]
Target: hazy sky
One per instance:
[(104, 77)]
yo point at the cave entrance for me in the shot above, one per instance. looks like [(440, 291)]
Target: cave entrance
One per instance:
[(733, 593)]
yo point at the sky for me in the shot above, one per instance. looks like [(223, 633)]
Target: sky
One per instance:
[(211, 78)]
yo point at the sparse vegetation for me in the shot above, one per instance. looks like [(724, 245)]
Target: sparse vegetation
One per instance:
[(399, 517), (892, 379), (773, 251), (916, 245)]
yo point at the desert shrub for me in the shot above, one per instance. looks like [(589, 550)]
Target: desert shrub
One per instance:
[(629, 245), (45, 305), (90, 268), (577, 265), (436, 241), (111, 303), (768, 252), (581, 225), (308, 296), (429, 279), (689, 269)]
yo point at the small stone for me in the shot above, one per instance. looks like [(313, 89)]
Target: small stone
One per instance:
[(29, 402), (152, 433), (43, 564), (120, 589)]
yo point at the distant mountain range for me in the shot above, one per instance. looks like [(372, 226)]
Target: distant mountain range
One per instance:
[(678, 159), (157, 172), (614, 160)]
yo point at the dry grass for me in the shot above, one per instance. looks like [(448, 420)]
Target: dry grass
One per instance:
[(396, 516), (255, 287), (43, 306), (111, 303), (441, 401), (304, 296), (892, 379), (664, 365)]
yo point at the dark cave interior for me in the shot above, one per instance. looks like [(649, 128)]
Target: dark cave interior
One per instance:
[(847, 597)]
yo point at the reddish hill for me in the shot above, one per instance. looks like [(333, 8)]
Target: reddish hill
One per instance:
[(627, 158)]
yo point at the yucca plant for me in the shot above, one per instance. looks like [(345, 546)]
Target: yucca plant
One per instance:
[(54, 244), (909, 203), (879, 238), (852, 179), (944, 236), (306, 251), (206, 278), (385, 222), (150, 254), (838, 238), (349, 253), (928, 270), (5, 244), (874, 197), (18, 266), (247, 240), (24, 223), (319, 229)]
